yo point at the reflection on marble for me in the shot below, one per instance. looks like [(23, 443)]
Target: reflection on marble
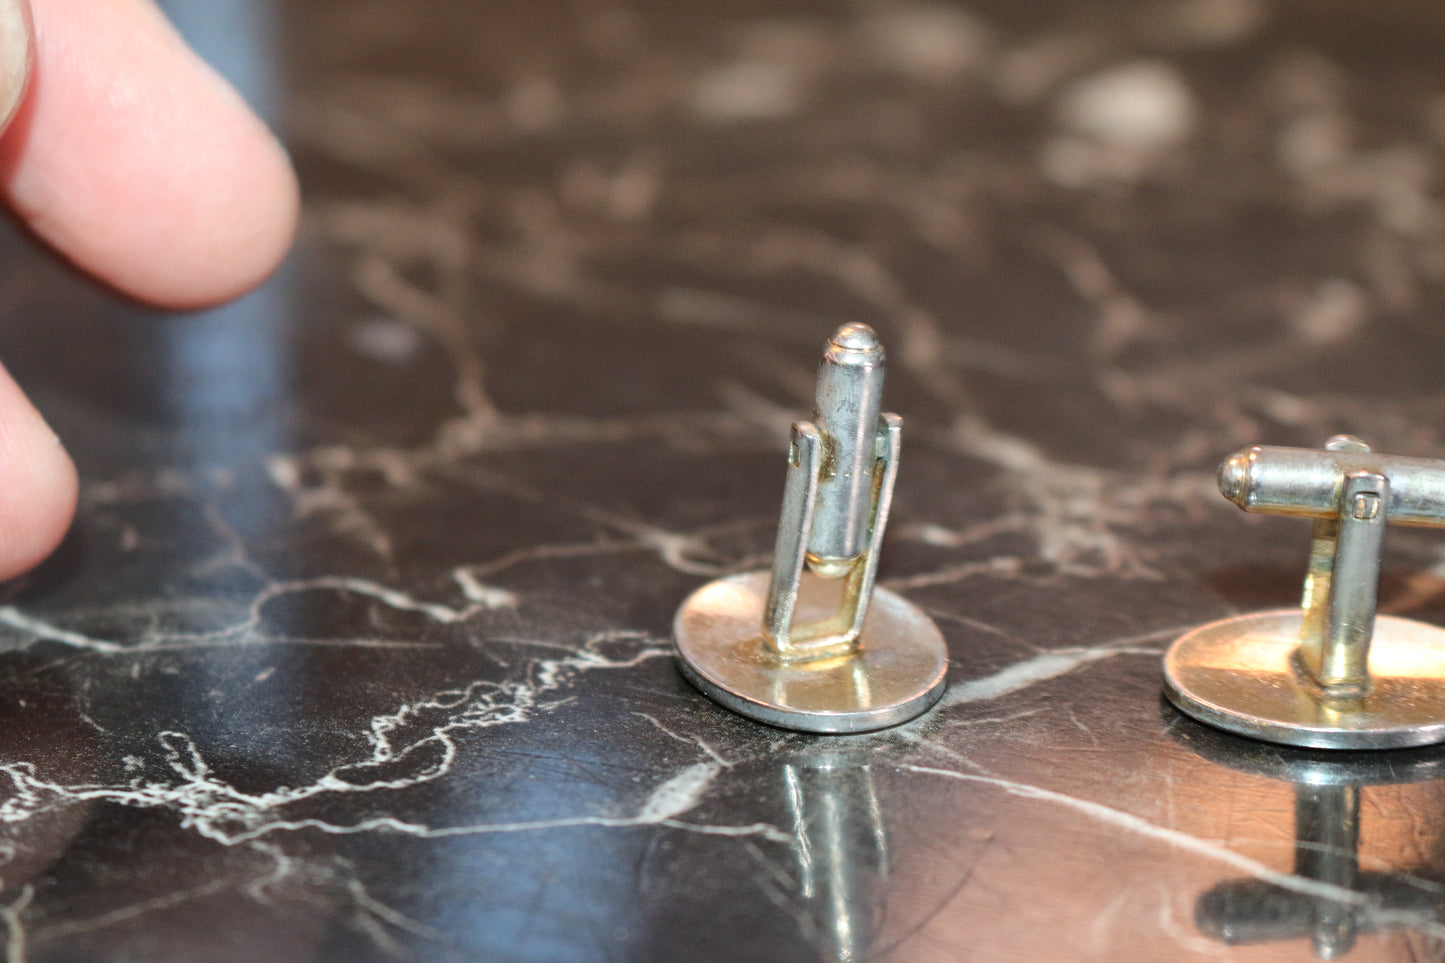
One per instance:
[(1344, 900), (359, 649)]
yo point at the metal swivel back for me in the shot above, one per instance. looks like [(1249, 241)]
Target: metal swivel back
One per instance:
[(815, 645)]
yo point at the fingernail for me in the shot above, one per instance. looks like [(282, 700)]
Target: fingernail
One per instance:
[(17, 54)]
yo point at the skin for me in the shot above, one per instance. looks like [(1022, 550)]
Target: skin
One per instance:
[(135, 161)]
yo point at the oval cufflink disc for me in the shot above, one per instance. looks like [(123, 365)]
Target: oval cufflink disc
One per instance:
[(1238, 674), (896, 673)]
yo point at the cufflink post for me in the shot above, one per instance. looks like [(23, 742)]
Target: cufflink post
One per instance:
[(815, 645)]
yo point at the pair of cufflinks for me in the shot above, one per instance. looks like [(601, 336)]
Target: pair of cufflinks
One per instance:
[(815, 645)]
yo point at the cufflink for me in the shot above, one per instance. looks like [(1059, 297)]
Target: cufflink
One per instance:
[(816, 645), (1332, 674)]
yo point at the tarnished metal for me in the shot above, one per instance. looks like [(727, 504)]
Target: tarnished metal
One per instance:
[(896, 674), (1306, 481), (802, 647), (849, 404), (1339, 618), (1332, 674), (1241, 674), (838, 632), (800, 497)]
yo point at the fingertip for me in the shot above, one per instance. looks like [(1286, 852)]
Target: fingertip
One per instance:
[(232, 238), (38, 484), (137, 161)]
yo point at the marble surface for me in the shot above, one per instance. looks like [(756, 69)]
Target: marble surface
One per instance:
[(360, 649)]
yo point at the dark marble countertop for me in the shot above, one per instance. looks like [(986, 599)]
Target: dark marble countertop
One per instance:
[(360, 646)]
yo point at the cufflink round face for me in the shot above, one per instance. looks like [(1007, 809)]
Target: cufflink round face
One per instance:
[(896, 671), (1243, 675)]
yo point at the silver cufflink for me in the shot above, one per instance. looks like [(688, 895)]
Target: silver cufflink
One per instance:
[(1331, 674), (816, 645)]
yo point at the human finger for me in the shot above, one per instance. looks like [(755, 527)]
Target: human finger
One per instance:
[(37, 483), (136, 160)]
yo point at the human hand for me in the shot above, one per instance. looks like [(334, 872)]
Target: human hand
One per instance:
[(136, 161)]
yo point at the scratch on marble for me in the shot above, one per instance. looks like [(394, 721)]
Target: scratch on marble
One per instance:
[(694, 741), (13, 617), (15, 938), (1041, 668), (484, 598), (1000, 567), (85, 717), (541, 553), (371, 910), (127, 913), (283, 866)]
